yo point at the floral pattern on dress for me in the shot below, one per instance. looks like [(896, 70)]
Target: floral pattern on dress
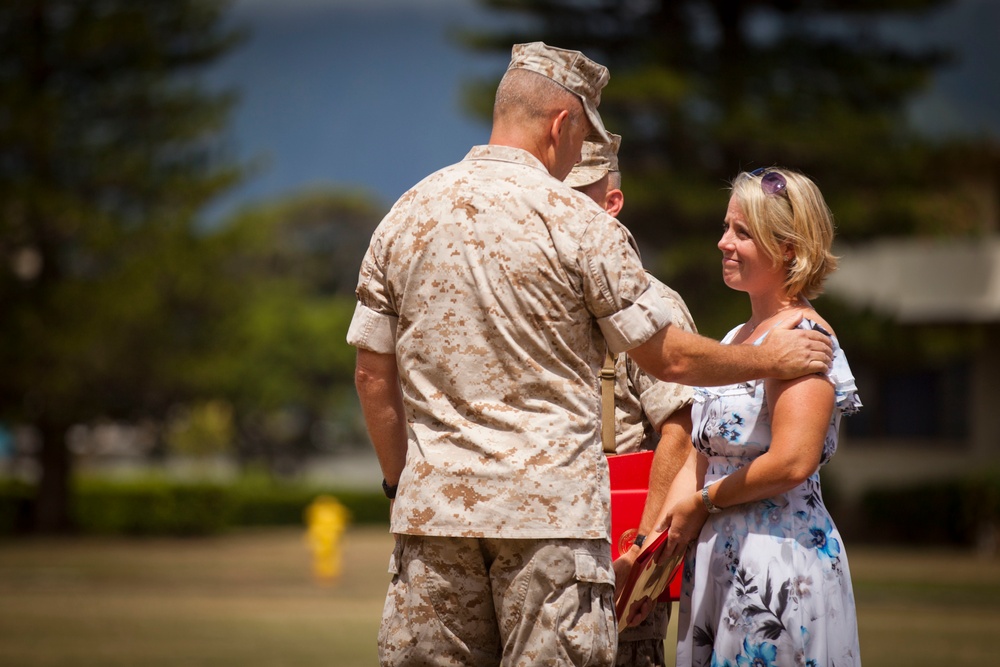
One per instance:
[(767, 584)]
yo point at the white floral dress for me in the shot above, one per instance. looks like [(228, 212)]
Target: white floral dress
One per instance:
[(767, 583)]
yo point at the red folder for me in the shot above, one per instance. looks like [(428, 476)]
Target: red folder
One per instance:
[(629, 486), (649, 578)]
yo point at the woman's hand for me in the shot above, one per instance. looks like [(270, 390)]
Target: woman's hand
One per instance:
[(682, 522)]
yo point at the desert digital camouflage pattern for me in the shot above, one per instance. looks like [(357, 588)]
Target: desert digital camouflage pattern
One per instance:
[(597, 159), (573, 71), (642, 405), (558, 610), (642, 402), (496, 286)]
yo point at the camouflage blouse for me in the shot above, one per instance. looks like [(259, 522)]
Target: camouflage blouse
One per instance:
[(496, 287)]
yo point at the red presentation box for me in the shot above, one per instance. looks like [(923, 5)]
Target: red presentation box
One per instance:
[(629, 486)]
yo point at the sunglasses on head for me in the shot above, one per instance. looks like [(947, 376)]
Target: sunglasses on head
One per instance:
[(771, 182)]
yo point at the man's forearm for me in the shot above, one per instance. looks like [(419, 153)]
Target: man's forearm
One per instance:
[(671, 453), (675, 355), (377, 382)]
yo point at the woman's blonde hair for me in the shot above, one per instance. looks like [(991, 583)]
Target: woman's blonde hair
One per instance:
[(796, 215)]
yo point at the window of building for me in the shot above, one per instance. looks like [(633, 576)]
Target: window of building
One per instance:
[(926, 403)]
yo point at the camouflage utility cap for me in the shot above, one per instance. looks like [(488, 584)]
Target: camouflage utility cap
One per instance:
[(570, 69), (598, 158)]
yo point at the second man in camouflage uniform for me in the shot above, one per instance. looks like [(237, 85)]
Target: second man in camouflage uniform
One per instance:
[(649, 413)]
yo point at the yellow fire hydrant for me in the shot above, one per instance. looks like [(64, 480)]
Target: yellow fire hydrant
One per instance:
[(326, 521)]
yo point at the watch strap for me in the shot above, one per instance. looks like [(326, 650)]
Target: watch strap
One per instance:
[(709, 505)]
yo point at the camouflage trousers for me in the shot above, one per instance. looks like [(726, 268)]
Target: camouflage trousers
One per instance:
[(497, 602), (642, 646)]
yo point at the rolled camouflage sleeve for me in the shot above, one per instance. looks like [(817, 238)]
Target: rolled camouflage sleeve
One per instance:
[(661, 399), (373, 326), (617, 289)]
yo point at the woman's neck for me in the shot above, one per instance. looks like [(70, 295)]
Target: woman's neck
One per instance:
[(764, 307)]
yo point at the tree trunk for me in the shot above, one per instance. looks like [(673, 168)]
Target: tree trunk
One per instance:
[(52, 502)]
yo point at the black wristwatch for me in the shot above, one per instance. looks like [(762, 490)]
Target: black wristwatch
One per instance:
[(639, 539), (390, 491)]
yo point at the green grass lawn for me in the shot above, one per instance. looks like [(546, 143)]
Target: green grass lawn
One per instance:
[(248, 599)]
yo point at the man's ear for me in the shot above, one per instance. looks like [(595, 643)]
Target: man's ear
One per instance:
[(559, 124), (614, 201)]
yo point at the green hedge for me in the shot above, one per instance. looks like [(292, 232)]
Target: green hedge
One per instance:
[(167, 507), (151, 508), (285, 505), (951, 512)]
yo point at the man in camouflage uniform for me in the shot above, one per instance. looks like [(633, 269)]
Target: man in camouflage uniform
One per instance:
[(649, 414), (486, 300)]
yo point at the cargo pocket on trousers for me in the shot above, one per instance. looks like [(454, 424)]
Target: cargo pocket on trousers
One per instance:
[(396, 557), (594, 569), (601, 642)]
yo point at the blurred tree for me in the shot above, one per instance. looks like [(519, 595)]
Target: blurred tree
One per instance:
[(107, 152), (701, 89), (278, 352), (201, 431)]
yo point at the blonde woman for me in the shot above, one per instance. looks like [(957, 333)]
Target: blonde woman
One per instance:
[(766, 581)]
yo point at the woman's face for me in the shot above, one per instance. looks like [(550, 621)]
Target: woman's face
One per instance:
[(744, 266)]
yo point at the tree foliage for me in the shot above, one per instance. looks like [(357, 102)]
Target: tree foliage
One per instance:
[(701, 89), (107, 152), (119, 302), (277, 352)]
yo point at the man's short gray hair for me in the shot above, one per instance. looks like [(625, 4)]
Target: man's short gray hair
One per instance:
[(524, 95)]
